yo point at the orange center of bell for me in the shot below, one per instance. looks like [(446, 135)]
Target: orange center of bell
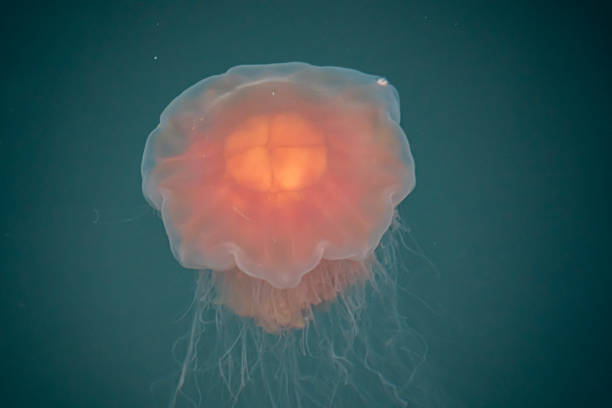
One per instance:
[(274, 153)]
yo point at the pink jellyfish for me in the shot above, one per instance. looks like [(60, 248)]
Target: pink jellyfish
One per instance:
[(279, 180)]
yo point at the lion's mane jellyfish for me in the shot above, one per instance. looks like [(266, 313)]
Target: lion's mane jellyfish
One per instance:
[(278, 182)]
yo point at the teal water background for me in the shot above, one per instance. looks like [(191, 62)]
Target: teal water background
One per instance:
[(506, 105)]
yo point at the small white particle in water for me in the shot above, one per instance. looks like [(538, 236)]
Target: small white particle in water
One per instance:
[(155, 58), (273, 93), (382, 81)]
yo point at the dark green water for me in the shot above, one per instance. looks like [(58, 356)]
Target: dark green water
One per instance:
[(507, 107)]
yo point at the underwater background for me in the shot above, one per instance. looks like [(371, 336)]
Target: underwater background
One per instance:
[(508, 111)]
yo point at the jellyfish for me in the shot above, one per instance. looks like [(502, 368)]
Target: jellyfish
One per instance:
[(278, 183)]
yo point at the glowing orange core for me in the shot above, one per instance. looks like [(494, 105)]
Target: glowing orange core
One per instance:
[(275, 153)]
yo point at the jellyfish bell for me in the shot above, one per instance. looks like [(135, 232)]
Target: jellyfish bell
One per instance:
[(270, 170), (280, 181)]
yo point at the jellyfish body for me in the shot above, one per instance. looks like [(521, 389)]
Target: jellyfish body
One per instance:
[(282, 179)]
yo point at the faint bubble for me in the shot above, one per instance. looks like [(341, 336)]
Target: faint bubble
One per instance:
[(382, 81)]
